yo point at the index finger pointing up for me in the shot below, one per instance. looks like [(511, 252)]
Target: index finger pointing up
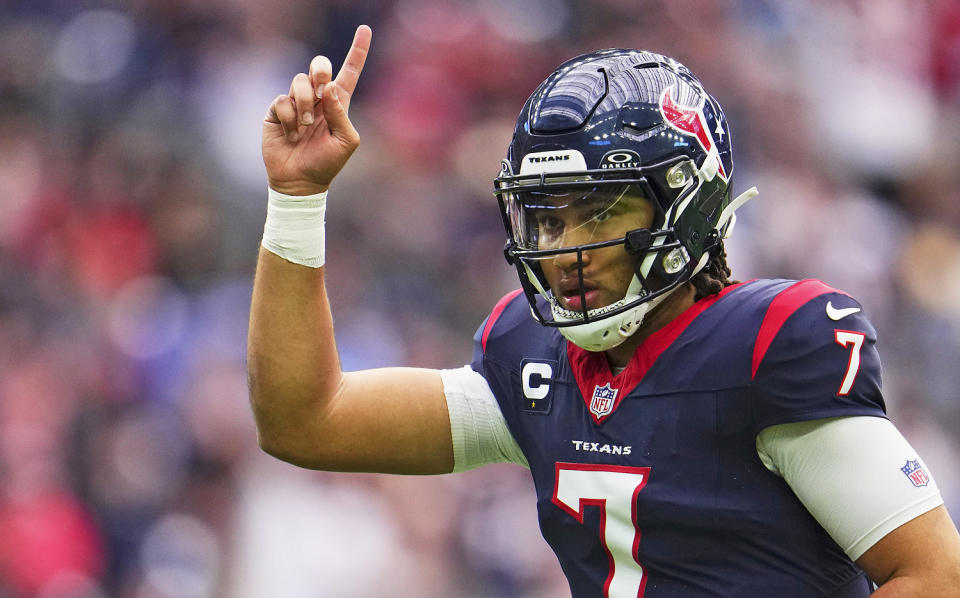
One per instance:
[(353, 64)]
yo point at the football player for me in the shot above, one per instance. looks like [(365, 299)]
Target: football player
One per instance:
[(688, 435)]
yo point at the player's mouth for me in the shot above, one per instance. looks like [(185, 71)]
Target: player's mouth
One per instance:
[(574, 302), (569, 295)]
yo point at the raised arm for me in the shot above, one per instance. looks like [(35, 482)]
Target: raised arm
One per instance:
[(309, 412)]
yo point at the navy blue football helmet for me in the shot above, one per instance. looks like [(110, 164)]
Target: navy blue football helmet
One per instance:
[(605, 129)]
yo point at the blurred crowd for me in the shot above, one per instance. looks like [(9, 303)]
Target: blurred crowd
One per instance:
[(132, 198)]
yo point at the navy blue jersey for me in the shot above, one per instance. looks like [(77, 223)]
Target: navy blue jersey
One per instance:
[(648, 482)]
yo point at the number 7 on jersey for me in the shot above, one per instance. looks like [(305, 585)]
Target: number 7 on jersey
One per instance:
[(613, 489), (845, 338)]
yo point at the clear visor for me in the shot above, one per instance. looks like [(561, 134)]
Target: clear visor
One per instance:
[(563, 218)]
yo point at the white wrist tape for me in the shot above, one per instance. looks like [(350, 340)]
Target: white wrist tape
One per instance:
[(294, 227)]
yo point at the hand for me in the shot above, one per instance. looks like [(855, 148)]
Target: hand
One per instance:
[(307, 136)]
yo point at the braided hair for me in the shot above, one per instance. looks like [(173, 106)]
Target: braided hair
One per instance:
[(714, 277)]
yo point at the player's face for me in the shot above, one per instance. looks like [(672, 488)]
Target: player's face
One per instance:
[(575, 218)]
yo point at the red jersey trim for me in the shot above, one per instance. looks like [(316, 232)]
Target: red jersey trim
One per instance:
[(780, 309), (592, 370), (495, 314)]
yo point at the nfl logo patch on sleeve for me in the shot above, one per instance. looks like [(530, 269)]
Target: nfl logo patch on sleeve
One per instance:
[(915, 473)]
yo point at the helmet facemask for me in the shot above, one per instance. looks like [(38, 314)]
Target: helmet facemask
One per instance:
[(571, 216)]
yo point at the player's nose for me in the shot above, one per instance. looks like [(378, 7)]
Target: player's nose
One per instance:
[(568, 260)]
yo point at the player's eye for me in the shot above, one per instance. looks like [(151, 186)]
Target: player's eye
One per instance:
[(602, 215), (549, 229), (549, 225)]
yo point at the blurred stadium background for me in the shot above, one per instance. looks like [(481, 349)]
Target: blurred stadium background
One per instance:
[(132, 198)]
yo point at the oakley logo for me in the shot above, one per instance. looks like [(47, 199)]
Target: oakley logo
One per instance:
[(620, 159), (838, 314)]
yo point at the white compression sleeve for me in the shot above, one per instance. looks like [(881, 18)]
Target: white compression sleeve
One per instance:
[(480, 434), (294, 227), (847, 471)]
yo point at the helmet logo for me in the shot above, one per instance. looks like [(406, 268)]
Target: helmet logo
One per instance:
[(689, 121), (620, 159)]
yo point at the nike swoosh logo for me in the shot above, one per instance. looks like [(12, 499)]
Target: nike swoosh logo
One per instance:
[(838, 314)]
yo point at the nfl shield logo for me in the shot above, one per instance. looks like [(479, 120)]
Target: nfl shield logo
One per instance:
[(915, 473), (603, 399)]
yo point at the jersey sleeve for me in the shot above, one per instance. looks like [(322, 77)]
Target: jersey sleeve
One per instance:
[(504, 341), (478, 431), (482, 336), (815, 356), (858, 476)]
